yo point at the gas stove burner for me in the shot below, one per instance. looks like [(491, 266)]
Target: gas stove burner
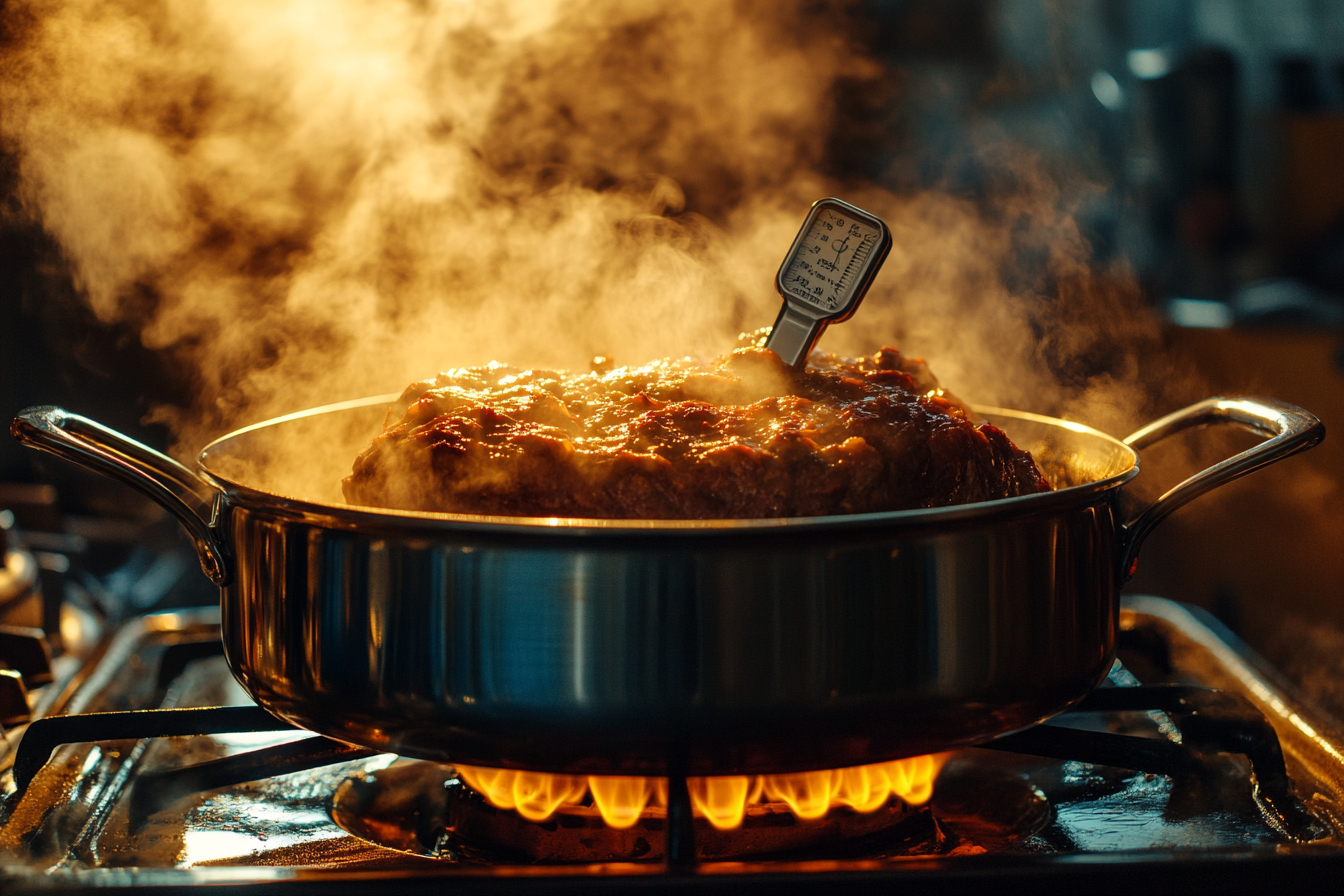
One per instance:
[(426, 809), (1206, 774)]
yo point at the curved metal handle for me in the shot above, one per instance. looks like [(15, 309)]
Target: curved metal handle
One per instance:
[(1289, 428), (184, 494)]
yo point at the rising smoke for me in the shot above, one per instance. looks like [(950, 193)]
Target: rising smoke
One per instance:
[(314, 200)]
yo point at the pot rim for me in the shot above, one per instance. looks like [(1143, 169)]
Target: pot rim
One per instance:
[(366, 518)]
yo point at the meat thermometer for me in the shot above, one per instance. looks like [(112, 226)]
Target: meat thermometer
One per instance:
[(826, 273)]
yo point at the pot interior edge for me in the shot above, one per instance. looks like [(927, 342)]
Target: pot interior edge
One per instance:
[(273, 465)]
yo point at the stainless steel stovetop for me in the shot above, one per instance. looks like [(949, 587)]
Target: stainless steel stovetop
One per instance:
[(115, 810)]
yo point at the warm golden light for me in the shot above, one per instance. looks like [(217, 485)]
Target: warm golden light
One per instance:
[(620, 800), (864, 788), (534, 795), (722, 801), (808, 794)]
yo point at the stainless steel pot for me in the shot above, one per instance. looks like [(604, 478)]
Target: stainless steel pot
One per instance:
[(643, 647)]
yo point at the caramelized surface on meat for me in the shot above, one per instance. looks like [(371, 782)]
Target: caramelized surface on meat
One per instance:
[(744, 437)]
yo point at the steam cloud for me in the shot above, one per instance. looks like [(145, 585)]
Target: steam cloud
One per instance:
[(316, 200)]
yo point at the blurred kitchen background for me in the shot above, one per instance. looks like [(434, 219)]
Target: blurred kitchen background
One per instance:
[(1202, 144)]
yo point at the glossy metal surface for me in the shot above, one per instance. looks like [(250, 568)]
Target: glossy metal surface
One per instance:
[(712, 647), (1105, 829), (90, 444), (738, 655), (1287, 429)]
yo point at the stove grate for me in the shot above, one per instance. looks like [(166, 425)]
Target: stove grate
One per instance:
[(1209, 721)]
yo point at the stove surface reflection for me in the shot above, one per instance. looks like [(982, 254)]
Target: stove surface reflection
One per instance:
[(993, 811)]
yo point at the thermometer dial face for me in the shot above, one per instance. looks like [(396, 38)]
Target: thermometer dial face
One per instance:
[(833, 260)]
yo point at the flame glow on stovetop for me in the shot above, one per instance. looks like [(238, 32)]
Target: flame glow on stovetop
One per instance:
[(722, 801)]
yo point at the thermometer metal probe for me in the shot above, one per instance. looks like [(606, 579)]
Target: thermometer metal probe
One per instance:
[(825, 275)]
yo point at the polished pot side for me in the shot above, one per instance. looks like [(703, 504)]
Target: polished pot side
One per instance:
[(663, 646), (767, 653)]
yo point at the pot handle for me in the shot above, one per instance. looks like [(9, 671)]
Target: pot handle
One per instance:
[(186, 495), (1289, 430)]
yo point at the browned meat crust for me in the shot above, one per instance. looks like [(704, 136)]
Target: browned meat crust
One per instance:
[(745, 437)]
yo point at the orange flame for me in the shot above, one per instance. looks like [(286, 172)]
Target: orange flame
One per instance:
[(535, 795), (722, 801), (620, 800)]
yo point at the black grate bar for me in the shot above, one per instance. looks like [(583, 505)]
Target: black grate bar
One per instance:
[(1142, 754), (1169, 698), (1210, 721), (680, 848), (154, 791), (45, 735), (176, 657)]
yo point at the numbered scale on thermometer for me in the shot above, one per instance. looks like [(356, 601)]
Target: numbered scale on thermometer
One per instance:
[(834, 259)]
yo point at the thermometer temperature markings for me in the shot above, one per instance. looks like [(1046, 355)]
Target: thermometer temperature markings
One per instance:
[(829, 267), (857, 259), (806, 287), (821, 270)]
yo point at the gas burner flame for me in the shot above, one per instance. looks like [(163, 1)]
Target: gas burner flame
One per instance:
[(722, 801)]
